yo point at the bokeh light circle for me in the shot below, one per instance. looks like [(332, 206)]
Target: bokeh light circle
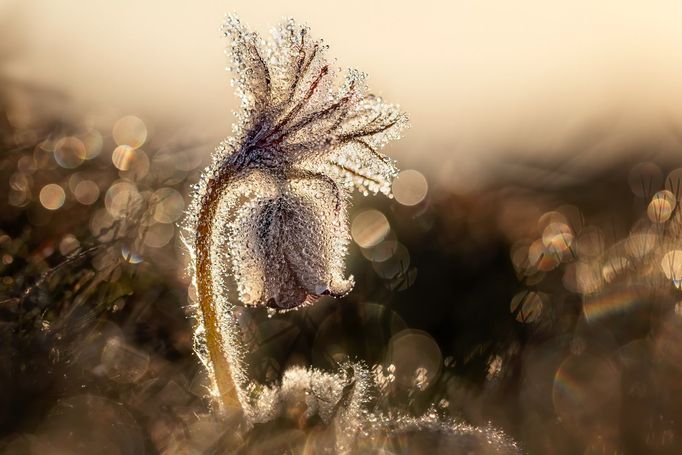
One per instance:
[(123, 157), (661, 206), (381, 252), (86, 192), (52, 196), (550, 217), (557, 237), (394, 265), (158, 235), (130, 130), (93, 142), (168, 205), (541, 257), (69, 152), (122, 199), (137, 165), (410, 187), (416, 357), (587, 392), (369, 228)]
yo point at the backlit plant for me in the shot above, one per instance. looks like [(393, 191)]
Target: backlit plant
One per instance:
[(268, 225)]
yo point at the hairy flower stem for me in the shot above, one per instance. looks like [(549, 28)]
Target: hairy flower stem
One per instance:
[(215, 339)]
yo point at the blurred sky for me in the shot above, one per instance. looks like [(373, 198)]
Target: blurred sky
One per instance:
[(478, 78)]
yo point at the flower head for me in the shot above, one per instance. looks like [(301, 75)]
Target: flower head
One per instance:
[(305, 138)]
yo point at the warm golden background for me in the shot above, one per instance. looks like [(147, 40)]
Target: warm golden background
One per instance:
[(480, 79)]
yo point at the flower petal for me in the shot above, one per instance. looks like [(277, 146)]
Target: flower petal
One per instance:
[(350, 152), (289, 249), (248, 52), (298, 60)]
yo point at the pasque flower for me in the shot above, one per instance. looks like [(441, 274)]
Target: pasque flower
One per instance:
[(268, 219)]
